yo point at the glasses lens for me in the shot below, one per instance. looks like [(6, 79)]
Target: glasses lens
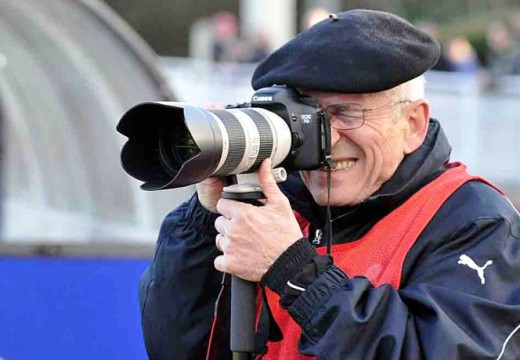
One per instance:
[(346, 116)]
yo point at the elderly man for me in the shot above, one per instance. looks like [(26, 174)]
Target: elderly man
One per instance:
[(424, 260)]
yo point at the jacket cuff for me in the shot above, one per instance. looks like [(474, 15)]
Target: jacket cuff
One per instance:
[(201, 218), (304, 279), (288, 265), (327, 283)]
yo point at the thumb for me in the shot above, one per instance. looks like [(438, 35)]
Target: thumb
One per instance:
[(268, 184)]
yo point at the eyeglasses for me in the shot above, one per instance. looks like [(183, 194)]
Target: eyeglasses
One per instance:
[(352, 116)]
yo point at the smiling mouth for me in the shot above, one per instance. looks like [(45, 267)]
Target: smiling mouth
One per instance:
[(341, 165)]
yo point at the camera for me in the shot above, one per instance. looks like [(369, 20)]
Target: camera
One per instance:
[(173, 144)]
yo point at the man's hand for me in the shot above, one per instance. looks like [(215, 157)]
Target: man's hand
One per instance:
[(209, 192), (251, 237)]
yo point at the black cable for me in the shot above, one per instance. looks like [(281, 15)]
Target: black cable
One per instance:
[(326, 148), (328, 221)]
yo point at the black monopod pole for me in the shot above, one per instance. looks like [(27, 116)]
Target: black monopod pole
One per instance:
[(243, 292)]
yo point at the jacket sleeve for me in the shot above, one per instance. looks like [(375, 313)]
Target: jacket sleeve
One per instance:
[(178, 290), (443, 310)]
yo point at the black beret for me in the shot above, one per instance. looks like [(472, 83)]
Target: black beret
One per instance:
[(358, 51)]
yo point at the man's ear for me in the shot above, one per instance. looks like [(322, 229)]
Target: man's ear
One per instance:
[(418, 117)]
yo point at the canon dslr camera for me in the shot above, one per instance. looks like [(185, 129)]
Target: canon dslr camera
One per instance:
[(173, 144)]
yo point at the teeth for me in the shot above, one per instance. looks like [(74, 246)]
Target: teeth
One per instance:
[(343, 165)]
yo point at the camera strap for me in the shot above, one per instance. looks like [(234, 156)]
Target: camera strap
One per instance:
[(326, 155), (328, 221)]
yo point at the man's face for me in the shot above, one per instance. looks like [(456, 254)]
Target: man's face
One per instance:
[(365, 157)]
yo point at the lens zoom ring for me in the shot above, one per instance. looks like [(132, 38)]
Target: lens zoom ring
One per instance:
[(237, 141), (266, 136)]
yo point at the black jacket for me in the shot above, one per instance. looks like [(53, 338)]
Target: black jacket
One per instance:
[(441, 311)]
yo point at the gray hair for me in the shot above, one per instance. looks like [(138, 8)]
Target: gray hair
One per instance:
[(411, 90)]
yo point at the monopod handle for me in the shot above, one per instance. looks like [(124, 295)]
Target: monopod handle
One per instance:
[(243, 296)]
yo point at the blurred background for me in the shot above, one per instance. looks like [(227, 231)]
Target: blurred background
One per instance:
[(77, 232)]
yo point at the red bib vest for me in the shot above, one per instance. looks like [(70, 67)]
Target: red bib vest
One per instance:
[(379, 255)]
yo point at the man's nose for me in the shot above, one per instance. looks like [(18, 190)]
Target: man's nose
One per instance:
[(335, 135)]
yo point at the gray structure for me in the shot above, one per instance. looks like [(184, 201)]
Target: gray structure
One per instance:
[(68, 71)]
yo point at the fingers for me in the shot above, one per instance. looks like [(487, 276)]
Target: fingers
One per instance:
[(213, 106), (209, 192), (273, 194), (221, 224), (231, 208), (224, 262), (220, 263), (268, 184), (217, 241)]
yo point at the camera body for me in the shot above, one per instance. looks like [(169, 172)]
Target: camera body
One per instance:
[(306, 122), (174, 144)]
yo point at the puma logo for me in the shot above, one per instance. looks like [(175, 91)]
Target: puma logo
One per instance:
[(317, 237), (466, 260)]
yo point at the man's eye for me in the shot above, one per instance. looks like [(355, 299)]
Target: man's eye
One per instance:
[(349, 114), (348, 118), (350, 109)]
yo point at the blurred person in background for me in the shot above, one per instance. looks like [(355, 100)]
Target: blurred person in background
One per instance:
[(514, 22), (256, 47), (226, 42), (433, 30), (503, 55), (460, 56), (229, 46), (425, 257)]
